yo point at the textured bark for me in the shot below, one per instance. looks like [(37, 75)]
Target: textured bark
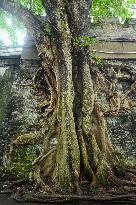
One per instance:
[(81, 154), (68, 158)]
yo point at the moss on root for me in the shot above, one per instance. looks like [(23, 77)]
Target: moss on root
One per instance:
[(30, 138)]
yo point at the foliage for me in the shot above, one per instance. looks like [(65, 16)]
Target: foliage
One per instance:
[(34, 5), (83, 41), (100, 8), (9, 29), (9, 25), (97, 59), (114, 8)]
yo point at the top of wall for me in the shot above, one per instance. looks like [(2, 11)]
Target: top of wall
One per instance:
[(28, 51), (113, 39), (110, 29), (10, 52)]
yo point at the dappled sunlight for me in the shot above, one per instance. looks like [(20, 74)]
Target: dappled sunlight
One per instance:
[(20, 37), (12, 31), (4, 38), (7, 41)]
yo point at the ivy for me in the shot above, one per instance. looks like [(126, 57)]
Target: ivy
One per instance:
[(97, 59), (83, 41)]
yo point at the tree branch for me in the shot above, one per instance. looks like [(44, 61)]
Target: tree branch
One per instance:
[(76, 9), (30, 21)]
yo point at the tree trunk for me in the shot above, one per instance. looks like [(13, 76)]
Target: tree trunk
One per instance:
[(81, 154)]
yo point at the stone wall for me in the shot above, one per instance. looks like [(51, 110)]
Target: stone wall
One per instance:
[(8, 67), (115, 45), (122, 126), (113, 39), (18, 100), (110, 29)]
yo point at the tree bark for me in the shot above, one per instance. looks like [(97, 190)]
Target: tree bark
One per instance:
[(79, 152)]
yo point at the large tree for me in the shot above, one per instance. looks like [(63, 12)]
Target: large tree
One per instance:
[(74, 116)]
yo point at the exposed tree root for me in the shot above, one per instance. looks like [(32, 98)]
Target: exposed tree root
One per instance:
[(9, 188), (133, 171), (71, 198), (49, 196), (130, 189), (41, 158)]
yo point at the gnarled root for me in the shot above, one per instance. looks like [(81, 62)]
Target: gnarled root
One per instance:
[(71, 198), (43, 170)]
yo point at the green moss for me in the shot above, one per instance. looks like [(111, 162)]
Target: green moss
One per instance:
[(20, 163), (29, 138), (103, 173)]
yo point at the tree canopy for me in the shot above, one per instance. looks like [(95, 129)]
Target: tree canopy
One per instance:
[(9, 24)]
